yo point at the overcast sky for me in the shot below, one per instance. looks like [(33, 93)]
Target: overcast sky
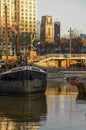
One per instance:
[(71, 13)]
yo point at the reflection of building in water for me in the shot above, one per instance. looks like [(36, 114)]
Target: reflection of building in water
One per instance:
[(22, 113), (34, 126), (6, 124)]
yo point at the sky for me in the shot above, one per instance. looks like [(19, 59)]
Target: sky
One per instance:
[(70, 13)]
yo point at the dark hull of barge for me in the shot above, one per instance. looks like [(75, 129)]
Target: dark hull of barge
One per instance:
[(23, 81)]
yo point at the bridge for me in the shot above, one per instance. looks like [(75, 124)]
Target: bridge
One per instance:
[(60, 57)]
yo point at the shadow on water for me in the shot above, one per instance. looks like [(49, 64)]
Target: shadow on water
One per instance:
[(81, 99), (22, 112)]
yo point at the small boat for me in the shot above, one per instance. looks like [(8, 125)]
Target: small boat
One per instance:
[(80, 82), (25, 79), (77, 80), (72, 80)]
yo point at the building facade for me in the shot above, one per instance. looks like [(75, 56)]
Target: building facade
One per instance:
[(25, 15), (20, 13), (57, 33), (46, 29)]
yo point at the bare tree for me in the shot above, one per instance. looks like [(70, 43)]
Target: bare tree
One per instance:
[(76, 33)]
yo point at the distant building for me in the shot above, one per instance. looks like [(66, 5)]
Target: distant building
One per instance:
[(46, 29), (57, 32), (83, 37)]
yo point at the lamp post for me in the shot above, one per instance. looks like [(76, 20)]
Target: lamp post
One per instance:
[(70, 31)]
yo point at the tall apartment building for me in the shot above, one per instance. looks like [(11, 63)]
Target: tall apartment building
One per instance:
[(20, 13), (57, 32), (46, 29), (10, 15), (25, 15)]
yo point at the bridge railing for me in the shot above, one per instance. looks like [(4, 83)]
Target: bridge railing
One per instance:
[(62, 56)]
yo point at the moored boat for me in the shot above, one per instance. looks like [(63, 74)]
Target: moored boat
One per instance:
[(72, 80), (23, 80), (80, 82)]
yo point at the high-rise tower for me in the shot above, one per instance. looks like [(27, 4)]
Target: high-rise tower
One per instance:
[(57, 33), (20, 12), (46, 30), (10, 12), (10, 9), (25, 15)]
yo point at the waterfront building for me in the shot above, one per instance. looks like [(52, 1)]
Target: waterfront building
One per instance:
[(57, 33), (46, 29), (21, 14)]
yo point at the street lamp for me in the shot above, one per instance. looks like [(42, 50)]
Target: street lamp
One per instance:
[(70, 31)]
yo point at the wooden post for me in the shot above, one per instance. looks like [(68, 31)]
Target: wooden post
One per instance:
[(6, 33)]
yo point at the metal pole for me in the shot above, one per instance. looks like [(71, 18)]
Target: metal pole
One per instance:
[(70, 40), (70, 49)]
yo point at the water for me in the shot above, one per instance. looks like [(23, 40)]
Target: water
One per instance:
[(47, 112)]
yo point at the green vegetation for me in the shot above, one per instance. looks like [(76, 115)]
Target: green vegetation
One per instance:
[(2, 52)]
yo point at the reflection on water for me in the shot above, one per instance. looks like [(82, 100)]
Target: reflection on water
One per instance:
[(22, 113), (52, 111), (81, 98), (64, 113), (63, 87)]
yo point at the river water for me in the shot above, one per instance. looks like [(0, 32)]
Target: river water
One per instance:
[(51, 111)]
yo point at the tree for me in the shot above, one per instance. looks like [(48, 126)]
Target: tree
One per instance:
[(76, 33)]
